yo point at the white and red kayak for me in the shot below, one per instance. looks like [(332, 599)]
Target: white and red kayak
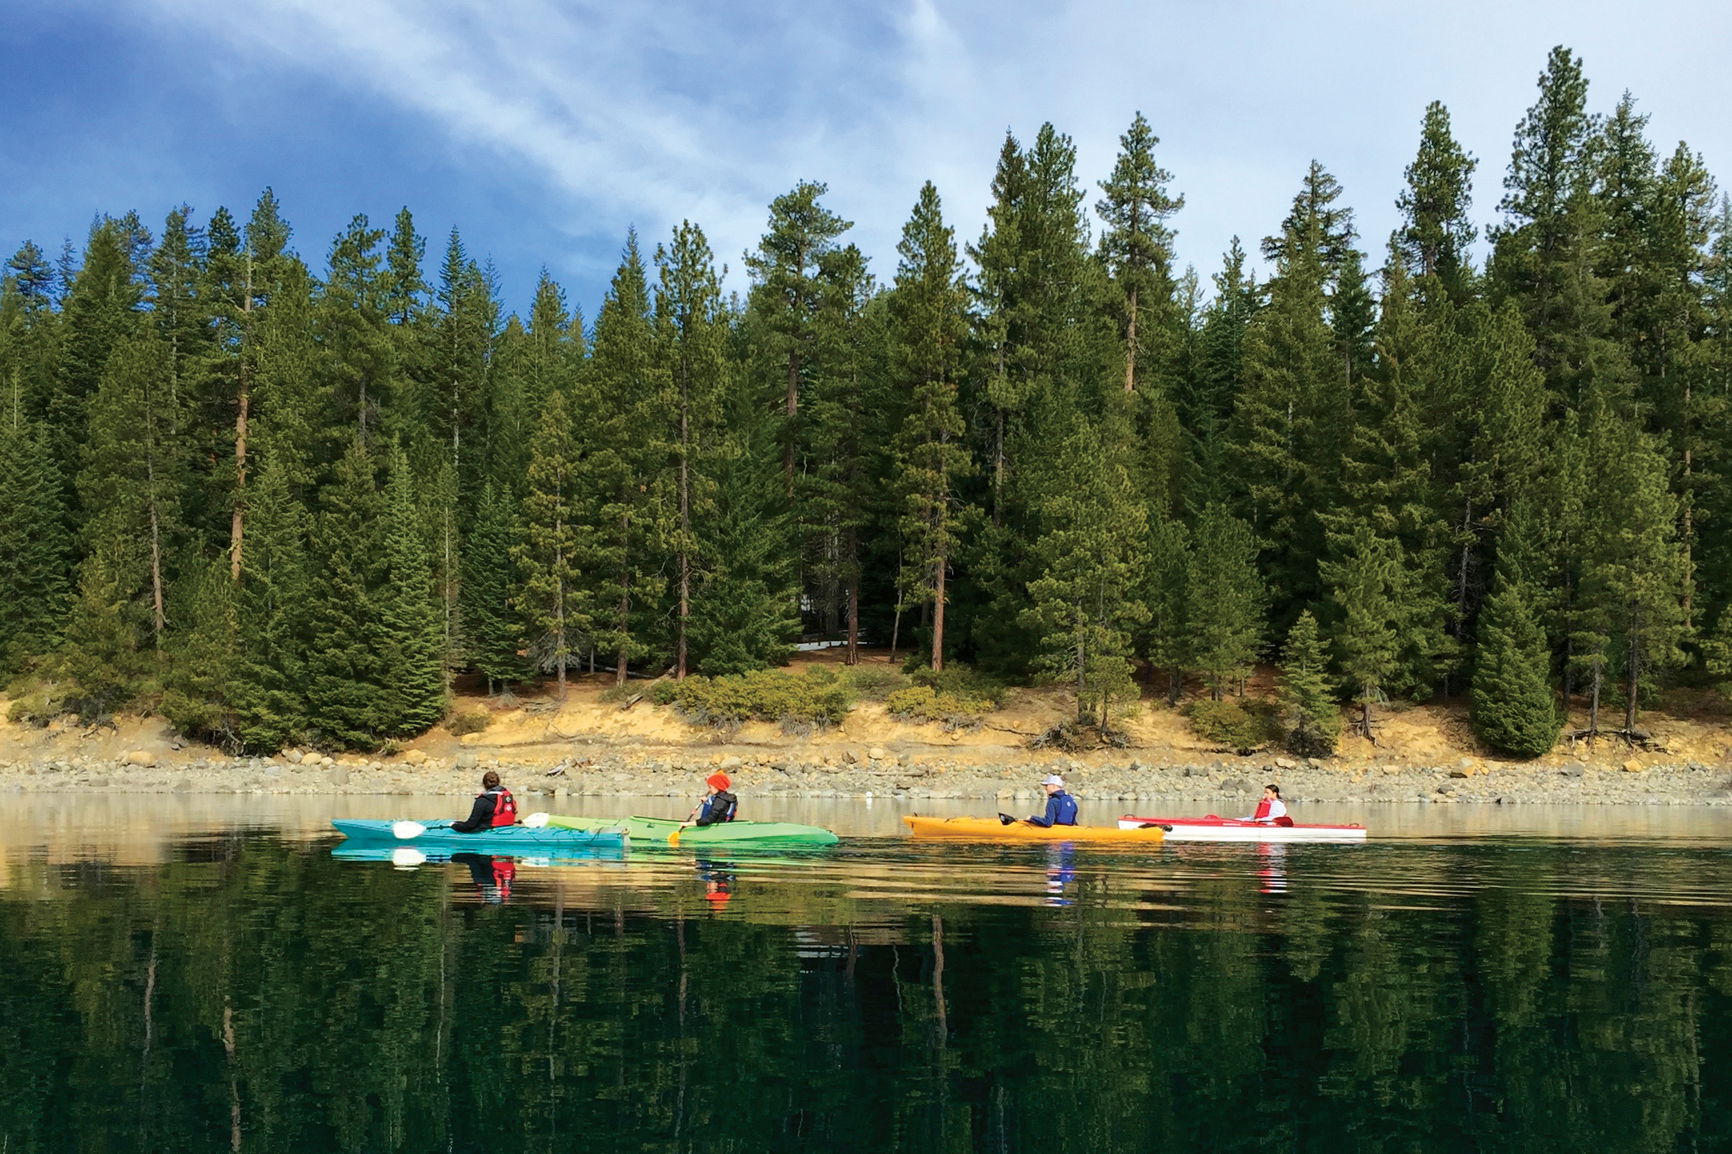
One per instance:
[(1212, 828)]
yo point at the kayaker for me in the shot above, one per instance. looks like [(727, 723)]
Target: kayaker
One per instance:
[(1060, 806), (494, 807), (1271, 810), (718, 805)]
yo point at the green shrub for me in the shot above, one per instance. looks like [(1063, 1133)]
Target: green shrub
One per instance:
[(963, 684), (875, 682), (797, 703), (1231, 725), (470, 721), (36, 706), (923, 703)]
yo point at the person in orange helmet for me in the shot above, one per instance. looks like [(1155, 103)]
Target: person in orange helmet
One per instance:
[(718, 804)]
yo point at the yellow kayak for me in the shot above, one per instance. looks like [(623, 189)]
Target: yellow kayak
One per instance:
[(991, 829)]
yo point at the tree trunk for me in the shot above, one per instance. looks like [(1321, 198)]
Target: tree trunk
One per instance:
[(792, 412), (1632, 683), (1131, 346), (685, 555), (938, 614), (851, 564), (243, 403), (1594, 705)]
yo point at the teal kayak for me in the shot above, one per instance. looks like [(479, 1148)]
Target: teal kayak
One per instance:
[(510, 839), (731, 833)]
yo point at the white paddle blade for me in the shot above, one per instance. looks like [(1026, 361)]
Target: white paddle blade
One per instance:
[(407, 857), (407, 830), (535, 820)]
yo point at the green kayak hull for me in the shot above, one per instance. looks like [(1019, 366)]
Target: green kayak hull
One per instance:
[(650, 830)]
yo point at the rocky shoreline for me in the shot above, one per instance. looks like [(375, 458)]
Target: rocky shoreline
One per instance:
[(577, 770)]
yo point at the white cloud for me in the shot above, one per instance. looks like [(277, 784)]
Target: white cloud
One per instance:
[(649, 113)]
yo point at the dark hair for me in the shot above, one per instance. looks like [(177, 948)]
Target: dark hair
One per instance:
[(489, 780), (1276, 788)]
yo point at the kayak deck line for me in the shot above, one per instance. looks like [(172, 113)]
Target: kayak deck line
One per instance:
[(991, 829), (1212, 828)]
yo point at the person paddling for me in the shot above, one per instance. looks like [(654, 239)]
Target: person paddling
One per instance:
[(1271, 810), (1060, 806), (494, 807), (718, 804)]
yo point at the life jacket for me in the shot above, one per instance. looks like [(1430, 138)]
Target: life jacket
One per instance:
[(504, 806), (1262, 813), (719, 807)]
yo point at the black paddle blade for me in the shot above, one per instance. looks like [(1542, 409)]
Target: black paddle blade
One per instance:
[(1006, 819)]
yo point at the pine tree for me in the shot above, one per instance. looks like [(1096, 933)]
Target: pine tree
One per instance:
[(411, 632), (1513, 709), (134, 473), (786, 290), (98, 314), (627, 471), (1634, 572), (1224, 599), (552, 598), (1137, 245), (203, 658), (1167, 635), (1310, 719), (358, 359), (494, 628), (1286, 436), (743, 603), (1437, 230), (1084, 606), (1208, 393), (929, 323), (691, 330), (34, 549), (839, 488), (270, 694), (1362, 584), (346, 672)]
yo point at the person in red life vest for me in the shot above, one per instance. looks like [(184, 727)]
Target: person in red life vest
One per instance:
[(494, 807), (718, 805), (1271, 810)]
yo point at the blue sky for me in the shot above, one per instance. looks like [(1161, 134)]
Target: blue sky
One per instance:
[(544, 130)]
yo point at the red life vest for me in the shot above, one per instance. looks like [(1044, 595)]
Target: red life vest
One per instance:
[(504, 806), (1262, 814)]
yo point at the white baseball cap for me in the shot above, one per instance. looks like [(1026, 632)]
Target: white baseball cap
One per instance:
[(1052, 779)]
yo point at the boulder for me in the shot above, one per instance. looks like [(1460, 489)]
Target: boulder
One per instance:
[(878, 753), (416, 757), (140, 757), (292, 756), (1633, 766)]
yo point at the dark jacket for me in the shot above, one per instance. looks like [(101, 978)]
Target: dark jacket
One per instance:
[(718, 807), (1060, 810), (481, 814)]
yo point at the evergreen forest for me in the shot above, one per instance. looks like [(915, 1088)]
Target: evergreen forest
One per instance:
[(285, 503)]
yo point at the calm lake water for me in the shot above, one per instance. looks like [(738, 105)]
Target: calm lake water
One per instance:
[(202, 973)]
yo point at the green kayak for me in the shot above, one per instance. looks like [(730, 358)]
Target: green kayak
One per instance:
[(733, 833)]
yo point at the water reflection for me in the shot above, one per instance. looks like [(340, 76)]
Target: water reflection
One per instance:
[(252, 989)]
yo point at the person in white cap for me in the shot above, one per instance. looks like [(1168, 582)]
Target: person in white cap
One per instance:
[(1060, 806)]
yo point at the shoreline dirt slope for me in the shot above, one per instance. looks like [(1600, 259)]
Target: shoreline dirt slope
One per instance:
[(587, 745)]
